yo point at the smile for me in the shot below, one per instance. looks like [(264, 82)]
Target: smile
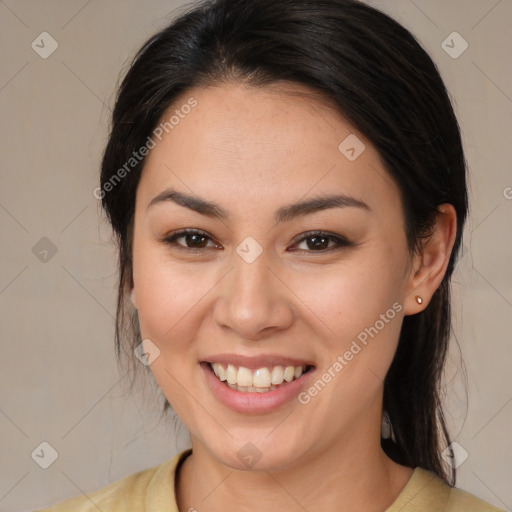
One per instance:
[(261, 380)]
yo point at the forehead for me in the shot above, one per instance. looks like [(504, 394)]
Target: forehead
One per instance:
[(244, 144)]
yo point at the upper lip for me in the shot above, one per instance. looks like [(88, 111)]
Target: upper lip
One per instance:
[(255, 362)]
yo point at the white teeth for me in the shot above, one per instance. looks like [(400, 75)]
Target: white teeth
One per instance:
[(244, 377), (289, 373), (220, 372), (231, 374), (252, 389), (277, 375), (261, 378), (257, 381)]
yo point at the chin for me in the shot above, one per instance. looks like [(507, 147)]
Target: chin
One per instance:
[(260, 454)]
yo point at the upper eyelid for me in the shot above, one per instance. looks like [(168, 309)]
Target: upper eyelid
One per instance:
[(340, 239), (175, 235)]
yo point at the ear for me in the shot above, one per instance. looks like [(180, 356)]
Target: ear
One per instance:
[(133, 298), (429, 266)]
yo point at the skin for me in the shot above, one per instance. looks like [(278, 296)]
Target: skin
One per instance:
[(253, 150)]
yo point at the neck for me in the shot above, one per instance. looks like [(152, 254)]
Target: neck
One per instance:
[(351, 475)]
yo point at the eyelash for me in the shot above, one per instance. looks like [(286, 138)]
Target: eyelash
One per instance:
[(339, 241)]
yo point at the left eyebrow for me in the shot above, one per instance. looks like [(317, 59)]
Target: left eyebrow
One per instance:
[(283, 214), (316, 204)]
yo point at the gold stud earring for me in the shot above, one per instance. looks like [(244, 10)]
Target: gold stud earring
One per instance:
[(419, 300)]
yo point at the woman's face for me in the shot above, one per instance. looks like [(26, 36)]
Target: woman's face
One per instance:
[(254, 290)]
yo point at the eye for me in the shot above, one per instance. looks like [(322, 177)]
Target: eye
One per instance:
[(195, 240), (318, 241)]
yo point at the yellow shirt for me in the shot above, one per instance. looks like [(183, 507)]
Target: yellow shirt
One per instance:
[(149, 491)]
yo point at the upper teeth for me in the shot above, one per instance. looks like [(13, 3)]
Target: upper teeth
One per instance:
[(260, 378)]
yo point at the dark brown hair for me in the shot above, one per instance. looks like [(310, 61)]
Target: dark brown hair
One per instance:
[(384, 83)]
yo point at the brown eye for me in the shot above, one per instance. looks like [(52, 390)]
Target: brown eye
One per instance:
[(195, 240), (318, 241)]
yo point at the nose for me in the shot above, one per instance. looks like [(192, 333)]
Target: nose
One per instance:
[(254, 301)]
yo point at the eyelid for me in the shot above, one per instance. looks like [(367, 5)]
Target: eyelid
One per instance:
[(319, 232), (170, 239), (340, 241)]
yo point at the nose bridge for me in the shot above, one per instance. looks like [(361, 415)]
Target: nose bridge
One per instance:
[(253, 299), (251, 276)]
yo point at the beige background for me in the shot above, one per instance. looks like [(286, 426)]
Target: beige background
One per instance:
[(59, 381)]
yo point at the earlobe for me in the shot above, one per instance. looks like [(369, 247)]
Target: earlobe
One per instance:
[(430, 266)]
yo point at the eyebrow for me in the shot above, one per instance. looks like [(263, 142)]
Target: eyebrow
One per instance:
[(283, 214)]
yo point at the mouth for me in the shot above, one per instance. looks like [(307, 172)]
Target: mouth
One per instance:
[(260, 380)]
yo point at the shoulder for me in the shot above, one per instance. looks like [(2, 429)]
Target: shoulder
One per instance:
[(148, 489), (426, 492)]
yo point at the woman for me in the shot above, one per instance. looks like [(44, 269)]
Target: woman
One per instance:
[(287, 184)]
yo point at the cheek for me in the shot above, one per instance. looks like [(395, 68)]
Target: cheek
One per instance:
[(169, 297), (348, 299), (357, 322), (163, 294), (166, 298), (357, 315)]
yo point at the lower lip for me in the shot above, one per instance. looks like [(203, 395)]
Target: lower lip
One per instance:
[(254, 402)]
